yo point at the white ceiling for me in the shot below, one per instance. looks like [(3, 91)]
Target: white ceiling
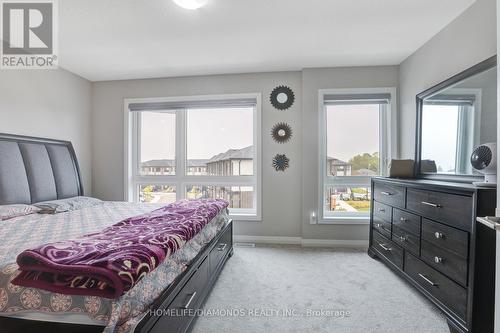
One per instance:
[(126, 39)]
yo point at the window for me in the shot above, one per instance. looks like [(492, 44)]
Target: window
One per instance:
[(205, 147), (355, 146), (450, 119)]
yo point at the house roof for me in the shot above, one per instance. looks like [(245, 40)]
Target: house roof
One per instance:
[(336, 161), (234, 154), (171, 163), (159, 163)]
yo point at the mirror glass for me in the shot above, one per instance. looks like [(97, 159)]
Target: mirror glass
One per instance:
[(455, 120), (282, 98)]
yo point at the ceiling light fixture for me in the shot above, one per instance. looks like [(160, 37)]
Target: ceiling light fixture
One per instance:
[(191, 4)]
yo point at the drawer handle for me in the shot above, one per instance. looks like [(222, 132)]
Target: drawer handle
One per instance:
[(438, 260), (189, 301), (385, 193), (438, 235), (403, 219), (222, 247), (431, 204), (403, 238), (427, 280), (382, 210), (385, 247), (378, 225)]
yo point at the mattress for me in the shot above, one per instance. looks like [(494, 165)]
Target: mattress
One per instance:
[(122, 314)]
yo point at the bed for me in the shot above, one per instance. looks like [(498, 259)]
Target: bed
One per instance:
[(34, 170)]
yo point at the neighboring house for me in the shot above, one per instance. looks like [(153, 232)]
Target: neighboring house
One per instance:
[(197, 167), (336, 167), (234, 162), (167, 167), (158, 167)]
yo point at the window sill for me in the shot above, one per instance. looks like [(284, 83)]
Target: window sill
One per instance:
[(344, 220), (245, 218)]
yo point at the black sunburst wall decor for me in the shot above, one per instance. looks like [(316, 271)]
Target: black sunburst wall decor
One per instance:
[(281, 132), (282, 97), (281, 162)]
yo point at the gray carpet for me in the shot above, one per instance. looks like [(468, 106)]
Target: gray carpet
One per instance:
[(361, 295)]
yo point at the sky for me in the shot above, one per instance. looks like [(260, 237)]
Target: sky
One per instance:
[(352, 130), (209, 132), (439, 135)]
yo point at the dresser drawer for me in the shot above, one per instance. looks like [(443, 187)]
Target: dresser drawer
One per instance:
[(451, 209), (388, 249), (389, 194), (452, 295), (188, 298), (382, 215), (406, 239), (382, 212), (454, 240), (446, 262), (407, 221)]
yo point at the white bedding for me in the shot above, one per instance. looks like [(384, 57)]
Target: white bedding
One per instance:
[(124, 313)]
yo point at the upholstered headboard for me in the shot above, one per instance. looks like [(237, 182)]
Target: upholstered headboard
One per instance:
[(36, 169)]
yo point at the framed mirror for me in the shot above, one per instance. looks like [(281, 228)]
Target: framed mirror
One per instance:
[(453, 118)]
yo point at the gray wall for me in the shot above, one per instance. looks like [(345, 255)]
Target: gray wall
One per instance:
[(469, 39), (49, 103), (281, 199), (330, 78), (284, 194), (487, 83)]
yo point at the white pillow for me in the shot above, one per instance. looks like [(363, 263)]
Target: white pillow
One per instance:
[(11, 211), (66, 205)]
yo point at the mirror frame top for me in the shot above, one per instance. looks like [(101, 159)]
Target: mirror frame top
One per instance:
[(474, 70)]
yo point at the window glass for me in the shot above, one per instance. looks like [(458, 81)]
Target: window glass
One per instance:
[(441, 126), (347, 199), (157, 193), (220, 142), (157, 144), (238, 196), (353, 135)]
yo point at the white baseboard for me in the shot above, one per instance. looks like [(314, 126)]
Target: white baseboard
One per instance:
[(357, 244), (361, 244), (267, 240)]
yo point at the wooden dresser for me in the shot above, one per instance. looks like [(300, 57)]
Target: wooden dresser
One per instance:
[(426, 231)]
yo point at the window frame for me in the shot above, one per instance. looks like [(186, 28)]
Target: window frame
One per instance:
[(133, 179), (388, 150)]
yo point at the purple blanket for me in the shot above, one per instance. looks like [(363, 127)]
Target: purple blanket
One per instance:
[(111, 262)]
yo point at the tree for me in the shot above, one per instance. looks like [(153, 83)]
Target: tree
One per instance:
[(365, 161)]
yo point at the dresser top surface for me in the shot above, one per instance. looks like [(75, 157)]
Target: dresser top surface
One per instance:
[(434, 183)]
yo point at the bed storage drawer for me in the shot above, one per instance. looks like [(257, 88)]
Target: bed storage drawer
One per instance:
[(221, 249), (449, 293), (388, 249), (389, 194), (451, 209), (177, 318)]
